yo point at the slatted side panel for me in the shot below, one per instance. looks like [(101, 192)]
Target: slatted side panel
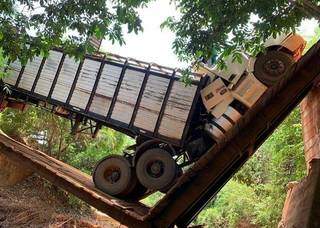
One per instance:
[(65, 80), (13, 73), (127, 97), (177, 110), (105, 90), (84, 86), (29, 73), (151, 102), (48, 73)]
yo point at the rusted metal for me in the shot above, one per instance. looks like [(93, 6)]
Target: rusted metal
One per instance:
[(206, 177)]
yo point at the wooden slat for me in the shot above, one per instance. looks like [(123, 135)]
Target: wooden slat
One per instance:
[(127, 96), (95, 86), (38, 75), (48, 72), (65, 79), (30, 73), (164, 103), (84, 86), (74, 83), (105, 90), (13, 73), (177, 110), (151, 101)]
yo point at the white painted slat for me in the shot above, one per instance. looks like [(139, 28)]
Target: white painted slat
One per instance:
[(65, 79), (30, 73), (48, 73), (13, 73), (105, 90), (85, 83), (177, 110), (127, 96), (151, 102)]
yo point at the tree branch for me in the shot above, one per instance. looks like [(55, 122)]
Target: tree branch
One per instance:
[(308, 8)]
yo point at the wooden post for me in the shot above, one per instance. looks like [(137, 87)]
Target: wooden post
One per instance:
[(12, 173), (302, 205), (310, 116)]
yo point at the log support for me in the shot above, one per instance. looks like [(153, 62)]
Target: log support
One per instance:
[(302, 205), (11, 172)]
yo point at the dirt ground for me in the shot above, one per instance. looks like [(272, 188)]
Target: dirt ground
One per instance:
[(36, 203)]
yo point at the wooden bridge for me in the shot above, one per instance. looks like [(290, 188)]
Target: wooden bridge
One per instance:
[(205, 178)]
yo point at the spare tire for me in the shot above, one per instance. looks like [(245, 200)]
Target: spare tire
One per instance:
[(272, 66)]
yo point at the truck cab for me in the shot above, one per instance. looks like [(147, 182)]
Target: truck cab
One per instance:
[(244, 82)]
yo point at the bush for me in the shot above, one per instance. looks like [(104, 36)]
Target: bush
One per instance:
[(235, 203)]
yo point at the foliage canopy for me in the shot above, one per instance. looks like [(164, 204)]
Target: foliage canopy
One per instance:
[(32, 27), (204, 28), (207, 27)]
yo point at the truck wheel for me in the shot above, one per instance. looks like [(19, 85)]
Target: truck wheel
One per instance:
[(156, 169), (272, 66), (114, 176)]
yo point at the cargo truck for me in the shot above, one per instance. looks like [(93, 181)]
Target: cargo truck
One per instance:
[(172, 124)]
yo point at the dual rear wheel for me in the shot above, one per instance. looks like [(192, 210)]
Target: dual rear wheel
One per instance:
[(155, 170)]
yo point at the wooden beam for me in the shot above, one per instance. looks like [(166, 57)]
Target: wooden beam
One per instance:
[(302, 206), (202, 181), (73, 181)]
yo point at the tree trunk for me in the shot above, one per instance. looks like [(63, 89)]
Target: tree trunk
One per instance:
[(10, 172)]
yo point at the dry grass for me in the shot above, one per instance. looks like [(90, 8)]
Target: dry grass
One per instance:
[(35, 203)]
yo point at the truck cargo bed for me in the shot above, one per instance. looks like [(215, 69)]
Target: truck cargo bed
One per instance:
[(132, 96)]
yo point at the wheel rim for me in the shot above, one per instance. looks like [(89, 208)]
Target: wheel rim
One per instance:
[(156, 169), (112, 174), (274, 67)]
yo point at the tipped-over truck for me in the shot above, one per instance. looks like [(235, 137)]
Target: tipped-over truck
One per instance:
[(173, 124)]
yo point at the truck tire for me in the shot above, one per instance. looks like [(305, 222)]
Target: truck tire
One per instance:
[(114, 176), (156, 169), (272, 66)]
